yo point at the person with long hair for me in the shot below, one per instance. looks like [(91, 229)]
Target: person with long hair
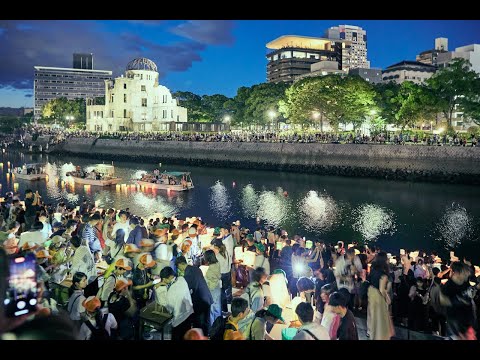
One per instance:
[(224, 259), (213, 278), (329, 320), (74, 306), (379, 322)]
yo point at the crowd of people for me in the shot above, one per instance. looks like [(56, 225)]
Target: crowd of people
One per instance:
[(60, 135), (221, 282)]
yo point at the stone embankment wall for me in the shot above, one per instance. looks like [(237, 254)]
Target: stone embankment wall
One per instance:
[(422, 163)]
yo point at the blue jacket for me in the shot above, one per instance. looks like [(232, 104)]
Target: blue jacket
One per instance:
[(135, 236)]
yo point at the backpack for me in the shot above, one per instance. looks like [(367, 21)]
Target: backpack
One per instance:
[(218, 328), (99, 333)]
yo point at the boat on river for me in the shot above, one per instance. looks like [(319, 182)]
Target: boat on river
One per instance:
[(101, 175), (31, 172), (167, 180)]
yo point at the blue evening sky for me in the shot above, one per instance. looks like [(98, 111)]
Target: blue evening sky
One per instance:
[(203, 56)]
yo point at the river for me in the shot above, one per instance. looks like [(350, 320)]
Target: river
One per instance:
[(390, 213)]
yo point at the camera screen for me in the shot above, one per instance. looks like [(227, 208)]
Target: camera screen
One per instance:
[(21, 297)]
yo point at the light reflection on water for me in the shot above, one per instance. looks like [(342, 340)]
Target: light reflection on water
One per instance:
[(455, 226), (273, 207), (395, 214), (319, 212), (249, 201), (220, 202), (372, 220)]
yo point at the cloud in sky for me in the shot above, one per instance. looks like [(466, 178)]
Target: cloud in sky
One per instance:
[(210, 32), (27, 43)]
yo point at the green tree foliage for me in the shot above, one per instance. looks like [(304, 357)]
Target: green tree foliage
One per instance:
[(263, 101), (192, 102), (341, 100), (406, 104), (470, 103), (236, 106), (57, 110), (9, 123), (99, 100), (213, 107), (206, 108), (455, 85)]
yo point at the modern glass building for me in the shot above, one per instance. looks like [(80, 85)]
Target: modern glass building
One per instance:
[(293, 55), (52, 82)]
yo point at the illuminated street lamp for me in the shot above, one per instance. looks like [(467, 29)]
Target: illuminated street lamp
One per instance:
[(272, 114), (226, 118)]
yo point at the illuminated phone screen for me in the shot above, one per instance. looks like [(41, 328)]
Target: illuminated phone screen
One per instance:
[(21, 297)]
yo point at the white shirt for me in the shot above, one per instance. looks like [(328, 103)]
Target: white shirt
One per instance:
[(164, 252), (83, 261), (110, 324), (36, 237), (229, 244), (47, 230), (119, 225), (225, 263), (262, 261), (75, 307), (176, 299), (316, 329)]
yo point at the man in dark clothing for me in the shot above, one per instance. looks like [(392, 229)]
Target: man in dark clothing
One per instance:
[(58, 229), (31, 206), (348, 327), (136, 234), (456, 295), (201, 295)]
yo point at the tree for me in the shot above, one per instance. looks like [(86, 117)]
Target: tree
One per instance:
[(263, 102), (236, 106), (453, 86), (213, 108), (57, 110), (470, 103), (192, 102), (99, 100), (341, 100)]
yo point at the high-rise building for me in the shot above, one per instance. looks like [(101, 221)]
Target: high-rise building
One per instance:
[(356, 55), (52, 83), (83, 61), (293, 55), (136, 102), (322, 68), (430, 57)]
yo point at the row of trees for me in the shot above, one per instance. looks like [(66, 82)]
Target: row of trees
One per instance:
[(312, 101), (345, 100)]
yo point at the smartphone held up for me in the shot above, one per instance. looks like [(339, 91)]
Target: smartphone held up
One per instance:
[(22, 291)]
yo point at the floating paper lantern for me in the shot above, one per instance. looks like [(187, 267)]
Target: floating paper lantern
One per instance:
[(249, 258), (238, 253)]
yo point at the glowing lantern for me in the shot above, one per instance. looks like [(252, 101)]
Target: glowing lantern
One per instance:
[(249, 258)]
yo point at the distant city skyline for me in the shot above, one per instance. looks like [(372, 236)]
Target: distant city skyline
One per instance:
[(201, 56)]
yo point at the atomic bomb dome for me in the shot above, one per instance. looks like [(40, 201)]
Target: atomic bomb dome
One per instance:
[(142, 64)]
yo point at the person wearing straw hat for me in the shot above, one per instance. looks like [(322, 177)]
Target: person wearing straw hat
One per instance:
[(122, 306), (121, 267), (96, 319), (142, 279)]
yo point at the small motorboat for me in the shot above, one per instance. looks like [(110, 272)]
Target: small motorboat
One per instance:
[(168, 180), (100, 175), (31, 172)]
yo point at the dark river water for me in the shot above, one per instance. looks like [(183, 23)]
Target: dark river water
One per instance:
[(393, 214)]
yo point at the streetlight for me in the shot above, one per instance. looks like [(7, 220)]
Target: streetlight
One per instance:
[(316, 115), (226, 118), (272, 115)]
